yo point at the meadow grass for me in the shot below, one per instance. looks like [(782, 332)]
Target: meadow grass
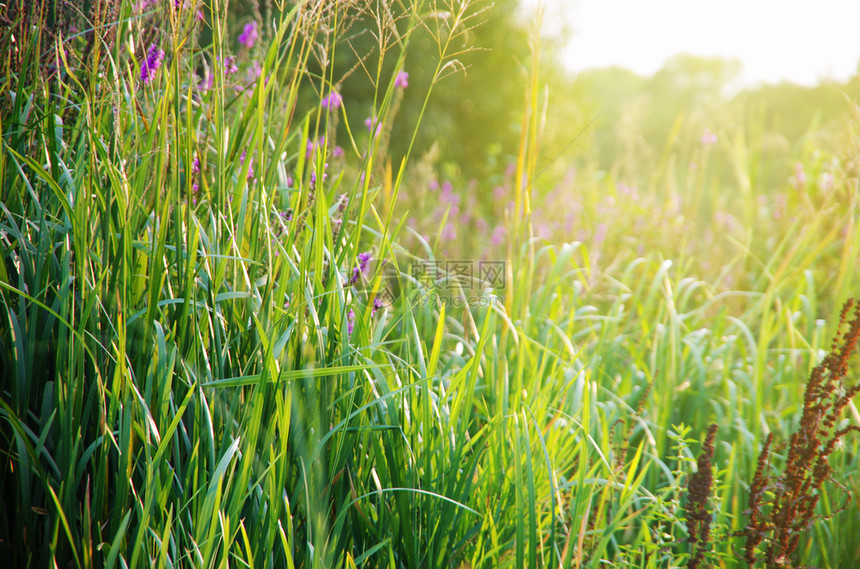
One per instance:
[(199, 368)]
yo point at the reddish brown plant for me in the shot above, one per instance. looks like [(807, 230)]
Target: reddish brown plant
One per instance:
[(696, 509), (781, 517)]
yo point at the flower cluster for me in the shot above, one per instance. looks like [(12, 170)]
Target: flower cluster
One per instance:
[(402, 80), (369, 122), (332, 101), (782, 508), (357, 272), (150, 65), (311, 146), (250, 164), (249, 35), (230, 66), (195, 171), (709, 138), (314, 175), (377, 304), (337, 218), (350, 322)]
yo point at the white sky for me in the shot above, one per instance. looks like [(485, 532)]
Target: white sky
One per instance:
[(799, 41)]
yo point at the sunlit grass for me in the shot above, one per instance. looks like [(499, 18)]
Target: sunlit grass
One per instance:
[(202, 367)]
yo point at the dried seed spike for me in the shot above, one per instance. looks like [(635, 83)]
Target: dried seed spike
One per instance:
[(756, 526), (696, 510), (782, 517)]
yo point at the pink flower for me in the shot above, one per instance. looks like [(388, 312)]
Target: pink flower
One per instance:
[(357, 272), (368, 122), (206, 83), (332, 101), (249, 35), (309, 150), (150, 65), (498, 235), (250, 164), (625, 191), (350, 322), (254, 71), (402, 80), (708, 138), (799, 175), (230, 66), (600, 234)]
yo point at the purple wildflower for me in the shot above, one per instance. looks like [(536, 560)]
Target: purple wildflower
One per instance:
[(350, 322), (799, 175), (320, 143), (206, 83), (250, 164), (314, 174), (230, 66), (369, 122), (195, 169), (254, 71), (377, 304), (154, 59), (342, 202), (498, 236), (332, 101), (249, 35), (337, 152), (402, 80), (363, 262), (708, 138), (629, 192), (337, 218), (600, 234)]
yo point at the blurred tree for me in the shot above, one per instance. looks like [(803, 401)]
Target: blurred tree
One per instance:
[(474, 111), (473, 115)]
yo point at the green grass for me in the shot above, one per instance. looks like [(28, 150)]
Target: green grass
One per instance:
[(180, 386)]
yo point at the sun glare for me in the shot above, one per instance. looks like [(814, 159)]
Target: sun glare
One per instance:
[(776, 41)]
